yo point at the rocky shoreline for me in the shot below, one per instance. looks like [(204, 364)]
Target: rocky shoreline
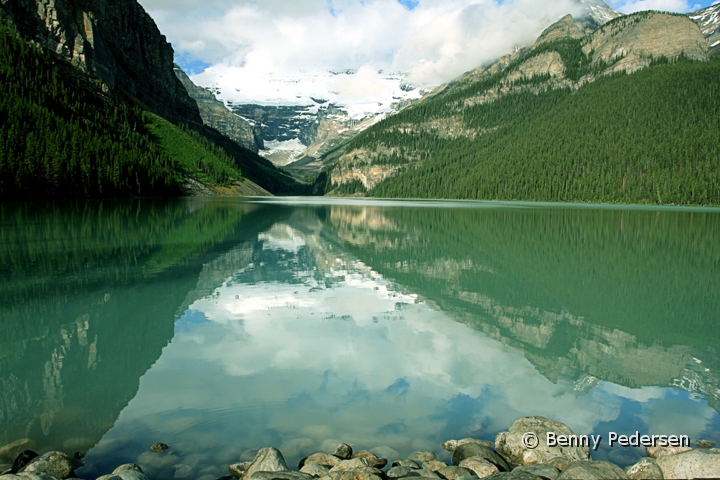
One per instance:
[(521, 453)]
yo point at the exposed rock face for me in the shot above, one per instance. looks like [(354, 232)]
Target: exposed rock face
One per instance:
[(708, 19), (116, 44), (215, 115), (648, 34), (563, 28), (645, 468), (548, 63), (268, 459), (592, 470), (281, 123), (692, 464)]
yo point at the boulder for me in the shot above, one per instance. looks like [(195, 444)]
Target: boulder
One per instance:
[(702, 443), (268, 459), (128, 466), (546, 472), (23, 459), (9, 452), (658, 451), (314, 469), (320, 459), (588, 470), (352, 464), (423, 456), (478, 450), (372, 459), (282, 475), (434, 465), (343, 451), (353, 475), (399, 471), (453, 472), (511, 446), (125, 475), (513, 476), (56, 464), (423, 472), (237, 470), (158, 447), (482, 467), (561, 463), (249, 455), (645, 468), (28, 476), (451, 445), (406, 462), (691, 464)]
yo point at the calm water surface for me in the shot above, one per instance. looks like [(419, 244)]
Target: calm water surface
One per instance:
[(219, 326)]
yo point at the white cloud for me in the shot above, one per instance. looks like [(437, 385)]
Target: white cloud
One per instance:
[(631, 6)]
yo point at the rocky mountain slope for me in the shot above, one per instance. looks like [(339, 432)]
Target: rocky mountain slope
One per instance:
[(563, 58), (215, 115), (708, 19)]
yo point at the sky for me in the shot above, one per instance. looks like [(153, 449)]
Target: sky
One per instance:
[(431, 40)]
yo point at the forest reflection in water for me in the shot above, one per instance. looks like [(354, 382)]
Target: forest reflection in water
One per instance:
[(221, 325)]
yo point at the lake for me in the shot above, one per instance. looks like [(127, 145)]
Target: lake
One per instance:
[(219, 326)]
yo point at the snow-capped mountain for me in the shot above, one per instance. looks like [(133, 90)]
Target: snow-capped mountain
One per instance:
[(709, 21)]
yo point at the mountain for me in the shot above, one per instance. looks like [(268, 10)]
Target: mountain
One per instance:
[(708, 19), (627, 113), (93, 109)]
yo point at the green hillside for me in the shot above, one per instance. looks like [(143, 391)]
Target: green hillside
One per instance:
[(649, 137), (59, 138)]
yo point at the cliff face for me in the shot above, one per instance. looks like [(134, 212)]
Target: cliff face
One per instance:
[(708, 19), (116, 44), (215, 115)]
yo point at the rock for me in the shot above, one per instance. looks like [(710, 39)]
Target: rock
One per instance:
[(510, 444), (320, 459), (452, 472), (423, 472), (314, 469), (284, 475), (546, 472), (588, 470), (704, 443), (372, 459), (434, 465), (423, 456), (645, 468), (478, 450), (451, 445), (480, 466), (28, 476), (128, 466), (561, 463), (158, 447), (343, 451), (9, 452), (249, 455), (23, 459), (355, 465), (237, 470), (691, 464), (179, 471), (125, 475), (406, 462), (658, 451), (399, 471), (268, 459), (353, 475), (56, 464), (513, 476)]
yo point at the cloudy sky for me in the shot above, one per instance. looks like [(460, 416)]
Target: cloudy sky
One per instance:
[(434, 40)]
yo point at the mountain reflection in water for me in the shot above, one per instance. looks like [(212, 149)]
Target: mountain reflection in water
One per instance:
[(221, 325)]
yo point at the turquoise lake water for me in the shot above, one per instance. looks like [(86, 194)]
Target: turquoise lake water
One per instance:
[(222, 325)]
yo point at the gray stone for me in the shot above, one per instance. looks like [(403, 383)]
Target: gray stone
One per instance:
[(56, 464), (354, 475), (478, 450), (423, 472), (268, 459), (128, 466), (423, 456), (28, 476), (314, 469), (9, 452), (352, 464), (321, 459), (237, 470), (588, 470), (405, 462), (451, 445), (158, 447), (561, 463), (546, 472), (513, 476), (645, 468), (399, 471), (434, 465), (658, 451), (284, 475), (702, 443), (249, 455), (372, 459), (125, 475), (691, 464), (452, 472), (511, 446), (480, 466), (177, 472), (343, 451)]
